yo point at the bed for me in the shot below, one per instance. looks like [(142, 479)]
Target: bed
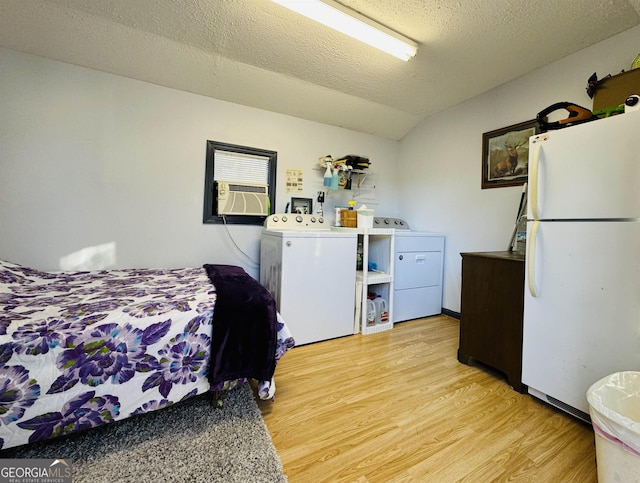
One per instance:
[(83, 349)]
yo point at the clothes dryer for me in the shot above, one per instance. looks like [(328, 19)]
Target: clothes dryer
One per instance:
[(417, 289)]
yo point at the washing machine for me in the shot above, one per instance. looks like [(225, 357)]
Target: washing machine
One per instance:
[(418, 265), (311, 272)]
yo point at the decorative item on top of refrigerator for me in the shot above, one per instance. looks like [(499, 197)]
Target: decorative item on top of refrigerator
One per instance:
[(632, 103)]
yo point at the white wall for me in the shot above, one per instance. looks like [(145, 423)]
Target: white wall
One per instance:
[(89, 158), (440, 160)]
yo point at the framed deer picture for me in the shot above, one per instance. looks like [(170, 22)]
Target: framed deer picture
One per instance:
[(505, 155)]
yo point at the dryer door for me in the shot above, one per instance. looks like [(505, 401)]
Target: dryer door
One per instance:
[(417, 269)]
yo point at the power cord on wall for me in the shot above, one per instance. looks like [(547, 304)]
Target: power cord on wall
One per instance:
[(224, 219), (320, 199)]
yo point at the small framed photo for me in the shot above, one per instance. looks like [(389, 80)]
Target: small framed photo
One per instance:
[(505, 155), (303, 206)]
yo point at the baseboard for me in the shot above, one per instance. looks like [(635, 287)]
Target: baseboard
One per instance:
[(451, 313)]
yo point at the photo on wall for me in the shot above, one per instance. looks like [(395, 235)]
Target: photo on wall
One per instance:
[(505, 155), (302, 206)]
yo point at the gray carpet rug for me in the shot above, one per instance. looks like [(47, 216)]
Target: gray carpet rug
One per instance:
[(188, 442)]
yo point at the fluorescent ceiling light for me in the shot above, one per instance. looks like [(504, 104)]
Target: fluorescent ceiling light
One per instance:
[(351, 23)]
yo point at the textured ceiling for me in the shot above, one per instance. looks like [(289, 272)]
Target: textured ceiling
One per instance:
[(256, 53)]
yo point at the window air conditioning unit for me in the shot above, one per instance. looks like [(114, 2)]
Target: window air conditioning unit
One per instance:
[(243, 199)]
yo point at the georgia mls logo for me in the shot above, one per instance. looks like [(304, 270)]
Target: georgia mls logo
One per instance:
[(35, 471)]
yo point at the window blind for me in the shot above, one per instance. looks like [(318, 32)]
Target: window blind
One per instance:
[(239, 167)]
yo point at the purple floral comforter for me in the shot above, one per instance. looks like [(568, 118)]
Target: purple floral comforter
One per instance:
[(82, 349)]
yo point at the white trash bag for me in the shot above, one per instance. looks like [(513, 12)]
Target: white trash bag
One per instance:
[(614, 406)]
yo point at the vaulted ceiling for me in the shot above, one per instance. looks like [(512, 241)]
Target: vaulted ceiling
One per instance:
[(256, 53)]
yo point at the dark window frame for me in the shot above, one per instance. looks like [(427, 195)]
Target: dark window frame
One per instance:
[(210, 215)]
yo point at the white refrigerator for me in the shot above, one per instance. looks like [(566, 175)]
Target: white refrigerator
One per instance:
[(582, 280)]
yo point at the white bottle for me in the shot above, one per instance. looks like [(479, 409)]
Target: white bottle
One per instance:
[(382, 314), (371, 313)]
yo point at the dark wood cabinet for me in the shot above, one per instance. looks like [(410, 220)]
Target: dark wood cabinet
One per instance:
[(491, 312)]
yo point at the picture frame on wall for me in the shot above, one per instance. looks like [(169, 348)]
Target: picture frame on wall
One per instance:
[(303, 206), (505, 155)]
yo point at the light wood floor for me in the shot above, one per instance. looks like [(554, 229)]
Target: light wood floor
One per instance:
[(398, 406)]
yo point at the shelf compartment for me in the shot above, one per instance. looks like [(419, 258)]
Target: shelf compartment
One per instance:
[(378, 247), (374, 277)]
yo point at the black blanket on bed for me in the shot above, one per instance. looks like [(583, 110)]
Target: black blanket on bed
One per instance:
[(244, 327)]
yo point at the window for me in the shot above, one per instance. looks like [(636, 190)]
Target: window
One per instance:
[(240, 184)]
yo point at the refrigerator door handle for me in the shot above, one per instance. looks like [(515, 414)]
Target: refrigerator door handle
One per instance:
[(531, 260), (533, 181)]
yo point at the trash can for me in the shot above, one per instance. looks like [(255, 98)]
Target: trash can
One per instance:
[(614, 405)]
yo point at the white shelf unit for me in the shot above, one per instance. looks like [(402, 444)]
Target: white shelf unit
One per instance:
[(377, 247)]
